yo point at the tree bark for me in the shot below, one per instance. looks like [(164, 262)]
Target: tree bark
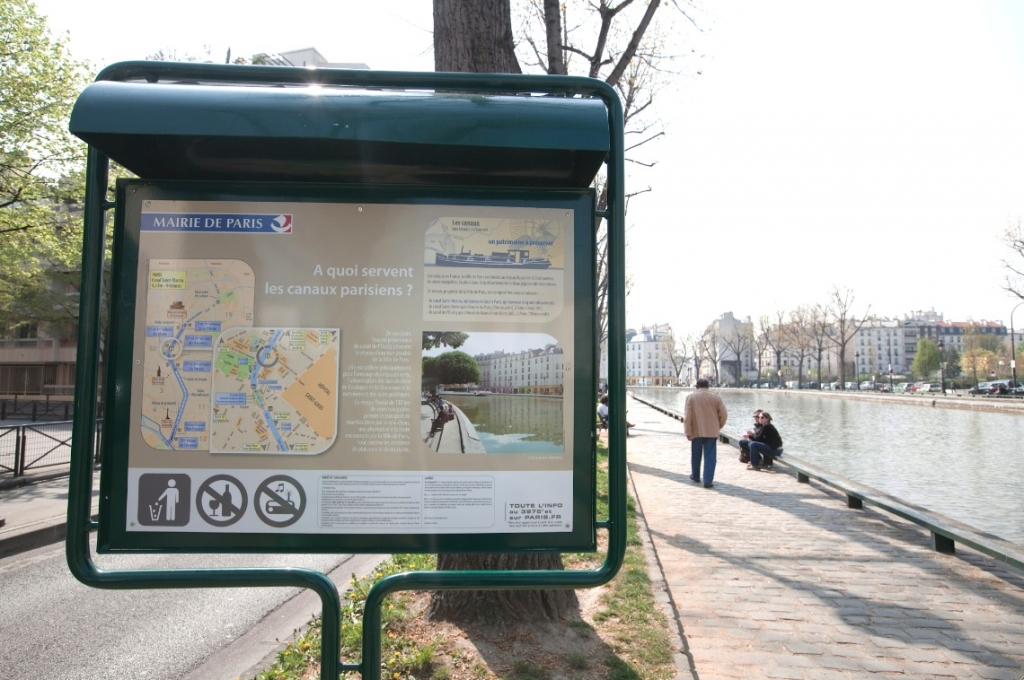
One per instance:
[(490, 606), (553, 29), (474, 36)]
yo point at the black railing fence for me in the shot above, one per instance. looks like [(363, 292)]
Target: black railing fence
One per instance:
[(30, 447), (39, 407)]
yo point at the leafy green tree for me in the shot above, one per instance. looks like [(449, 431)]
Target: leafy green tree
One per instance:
[(991, 342), (41, 181), (951, 361), (926, 361), (430, 369), (457, 368), (435, 339), (974, 359), (431, 374)]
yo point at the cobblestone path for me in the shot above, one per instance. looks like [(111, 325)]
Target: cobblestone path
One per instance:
[(769, 578)]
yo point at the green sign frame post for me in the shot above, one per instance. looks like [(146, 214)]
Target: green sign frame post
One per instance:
[(80, 523)]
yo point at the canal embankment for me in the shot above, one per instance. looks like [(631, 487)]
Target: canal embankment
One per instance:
[(449, 432), (769, 578), (953, 399), (963, 464)]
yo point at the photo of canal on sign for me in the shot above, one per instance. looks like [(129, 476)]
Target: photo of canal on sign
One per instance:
[(502, 396)]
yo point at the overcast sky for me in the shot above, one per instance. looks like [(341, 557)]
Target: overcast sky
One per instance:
[(877, 146)]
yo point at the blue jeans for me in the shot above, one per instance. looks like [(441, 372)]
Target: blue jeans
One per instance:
[(757, 450), (708, 446)]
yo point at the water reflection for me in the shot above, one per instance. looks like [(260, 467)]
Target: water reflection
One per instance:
[(968, 465), (510, 423)]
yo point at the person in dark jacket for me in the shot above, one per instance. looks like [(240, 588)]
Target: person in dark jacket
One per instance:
[(765, 444), (751, 434)]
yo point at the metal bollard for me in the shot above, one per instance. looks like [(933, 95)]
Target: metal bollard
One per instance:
[(19, 452)]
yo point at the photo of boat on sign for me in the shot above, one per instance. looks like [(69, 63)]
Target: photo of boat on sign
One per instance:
[(495, 243), (511, 259)]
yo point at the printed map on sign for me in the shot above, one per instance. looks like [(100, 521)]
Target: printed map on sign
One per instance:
[(275, 390), (188, 303)]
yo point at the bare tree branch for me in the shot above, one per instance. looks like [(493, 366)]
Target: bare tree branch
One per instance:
[(639, 144), (634, 42)]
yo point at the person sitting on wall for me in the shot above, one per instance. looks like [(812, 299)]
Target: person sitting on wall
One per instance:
[(602, 412), (766, 445), (751, 434)]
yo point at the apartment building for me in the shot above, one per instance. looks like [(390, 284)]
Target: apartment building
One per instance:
[(649, 356), (534, 371)]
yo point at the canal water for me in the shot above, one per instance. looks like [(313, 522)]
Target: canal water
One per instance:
[(967, 465), (513, 423)]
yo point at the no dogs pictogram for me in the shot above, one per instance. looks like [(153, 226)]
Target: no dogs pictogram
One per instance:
[(221, 500), (280, 501)]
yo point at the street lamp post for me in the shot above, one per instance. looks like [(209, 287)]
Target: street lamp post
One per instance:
[(1013, 348), (890, 364), (942, 373), (889, 336)]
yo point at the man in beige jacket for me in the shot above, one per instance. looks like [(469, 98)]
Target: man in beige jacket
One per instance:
[(703, 420)]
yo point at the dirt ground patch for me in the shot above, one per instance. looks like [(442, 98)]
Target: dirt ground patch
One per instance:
[(566, 650), (619, 633)]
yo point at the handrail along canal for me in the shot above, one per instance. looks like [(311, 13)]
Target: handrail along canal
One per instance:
[(945, 532)]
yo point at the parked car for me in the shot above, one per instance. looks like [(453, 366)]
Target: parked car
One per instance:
[(1001, 387), (929, 387), (902, 387), (980, 388)]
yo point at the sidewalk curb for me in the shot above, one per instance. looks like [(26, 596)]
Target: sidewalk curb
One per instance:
[(8, 483), (36, 538), (257, 648), (685, 669), (47, 534)]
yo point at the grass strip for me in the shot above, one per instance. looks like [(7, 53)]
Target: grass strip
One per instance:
[(629, 621)]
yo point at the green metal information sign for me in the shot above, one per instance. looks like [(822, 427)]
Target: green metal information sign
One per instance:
[(350, 311)]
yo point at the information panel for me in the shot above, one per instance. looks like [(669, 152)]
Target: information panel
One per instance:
[(310, 369)]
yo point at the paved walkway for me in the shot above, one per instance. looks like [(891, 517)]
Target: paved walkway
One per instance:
[(35, 514), (769, 578)]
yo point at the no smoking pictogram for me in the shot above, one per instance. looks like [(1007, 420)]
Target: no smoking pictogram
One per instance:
[(280, 501), (221, 500)]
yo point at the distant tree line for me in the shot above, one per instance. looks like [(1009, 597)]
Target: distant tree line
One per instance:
[(811, 333)]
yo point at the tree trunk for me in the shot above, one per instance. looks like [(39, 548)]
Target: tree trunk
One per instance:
[(553, 30), (490, 606), (474, 36)]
